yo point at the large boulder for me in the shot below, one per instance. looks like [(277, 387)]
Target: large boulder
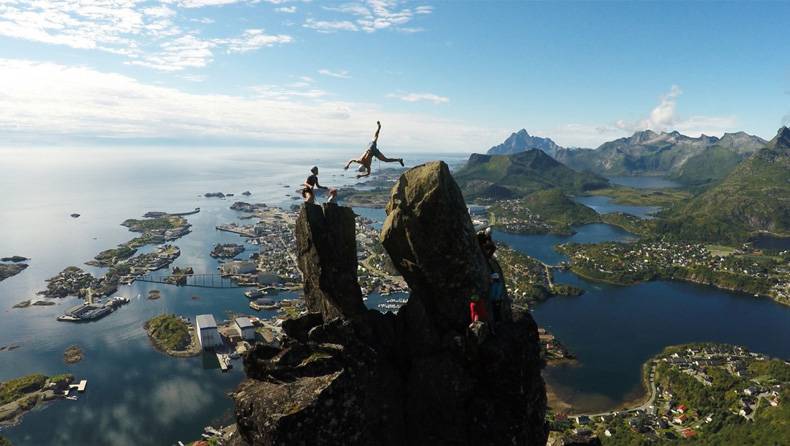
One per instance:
[(347, 375)]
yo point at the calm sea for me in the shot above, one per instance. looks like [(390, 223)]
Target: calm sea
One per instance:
[(135, 395)]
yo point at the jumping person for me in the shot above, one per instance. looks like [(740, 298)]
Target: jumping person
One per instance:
[(367, 157)]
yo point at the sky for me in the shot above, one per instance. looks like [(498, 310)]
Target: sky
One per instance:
[(455, 76)]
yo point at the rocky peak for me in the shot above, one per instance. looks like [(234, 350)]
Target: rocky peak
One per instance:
[(327, 255), (781, 140), (418, 377)]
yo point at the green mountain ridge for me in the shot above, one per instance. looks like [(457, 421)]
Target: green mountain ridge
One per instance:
[(753, 197), (520, 174), (651, 153)]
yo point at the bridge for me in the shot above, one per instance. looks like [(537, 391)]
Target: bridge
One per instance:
[(193, 280)]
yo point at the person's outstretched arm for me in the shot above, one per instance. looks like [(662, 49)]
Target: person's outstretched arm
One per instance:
[(378, 129)]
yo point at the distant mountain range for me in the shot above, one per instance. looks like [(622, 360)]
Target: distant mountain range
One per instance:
[(520, 174), (753, 196), (521, 141), (687, 159)]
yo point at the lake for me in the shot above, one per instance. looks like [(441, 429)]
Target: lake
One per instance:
[(613, 330), (645, 182), (135, 395)]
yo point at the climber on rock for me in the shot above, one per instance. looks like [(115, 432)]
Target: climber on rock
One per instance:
[(372, 151), (496, 294), (310, 186), (486, 242)]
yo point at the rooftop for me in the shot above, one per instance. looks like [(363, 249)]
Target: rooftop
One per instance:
[(206, 321), (243, 322)]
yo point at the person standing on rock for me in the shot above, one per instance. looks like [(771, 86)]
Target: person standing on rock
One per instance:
[(310, 186), (372, 151)]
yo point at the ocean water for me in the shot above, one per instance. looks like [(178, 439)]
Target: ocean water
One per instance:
[(135, 395)]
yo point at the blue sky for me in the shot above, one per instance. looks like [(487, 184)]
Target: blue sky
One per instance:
[(455, 76)]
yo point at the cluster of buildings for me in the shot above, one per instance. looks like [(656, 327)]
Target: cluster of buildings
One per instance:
[(668, 414), (523, 273), (514, 216), (211, 338), (375, 272), (643, 259), (226, 250), (91, 311)]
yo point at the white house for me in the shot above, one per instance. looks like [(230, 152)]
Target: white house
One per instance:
[(208, 335), (245, 329)]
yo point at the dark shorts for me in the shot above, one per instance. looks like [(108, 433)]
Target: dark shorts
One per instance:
[(374, 151)]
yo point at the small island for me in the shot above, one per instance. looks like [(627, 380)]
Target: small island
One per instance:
[(172, 335), (11, 269), (73, 355), (226, 251), (528, 279), (21, 395)]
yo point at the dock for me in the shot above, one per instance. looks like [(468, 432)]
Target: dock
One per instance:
[(224, 361), (79, 387)]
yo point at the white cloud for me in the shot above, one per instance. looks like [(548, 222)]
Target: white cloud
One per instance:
[(370, 16), (420, 97), (145, 33), (204, 3), (253, 39), (341, 74), (330, 26), (664, 117), (95, 106), (286, 9), (187, 51)]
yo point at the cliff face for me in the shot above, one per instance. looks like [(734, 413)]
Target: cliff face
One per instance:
[(351, 376)]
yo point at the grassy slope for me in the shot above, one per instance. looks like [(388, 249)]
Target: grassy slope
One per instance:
[(169, 332), (755, 196), (521, 174), (709, 166), (555, 207)]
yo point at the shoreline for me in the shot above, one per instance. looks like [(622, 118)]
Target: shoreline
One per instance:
[(192, 350), (581, 274)]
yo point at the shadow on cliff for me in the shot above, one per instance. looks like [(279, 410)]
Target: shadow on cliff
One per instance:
[(347, 375)]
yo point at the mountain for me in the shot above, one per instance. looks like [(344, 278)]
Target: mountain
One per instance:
[(754, 196), (665, 153), (522, 141), (345, 375), (520, 174)]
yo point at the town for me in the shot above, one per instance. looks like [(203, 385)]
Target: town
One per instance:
[(747, 270), (693, 390)]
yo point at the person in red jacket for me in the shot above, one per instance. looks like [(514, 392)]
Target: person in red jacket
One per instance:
[(477, 309)]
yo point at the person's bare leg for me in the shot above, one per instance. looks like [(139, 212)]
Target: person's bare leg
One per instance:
[(389, 160), (348, 164), (367, 172)]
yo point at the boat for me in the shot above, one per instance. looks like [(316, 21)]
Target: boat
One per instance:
[(254, 294), (264, 304)]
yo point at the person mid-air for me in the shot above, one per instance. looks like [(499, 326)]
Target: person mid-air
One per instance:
[(367, 157)]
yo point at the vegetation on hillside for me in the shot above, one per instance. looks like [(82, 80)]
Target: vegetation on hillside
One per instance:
[(169, 332), (755, 196), (541, 212), (520, 174), (16, 388), (642, 197)]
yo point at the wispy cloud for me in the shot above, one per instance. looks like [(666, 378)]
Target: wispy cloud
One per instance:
[(370, 16), (96, 105), (147, 35), (253, 39), (420, 97), (341, 74), (286, 9), (330, 26)]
